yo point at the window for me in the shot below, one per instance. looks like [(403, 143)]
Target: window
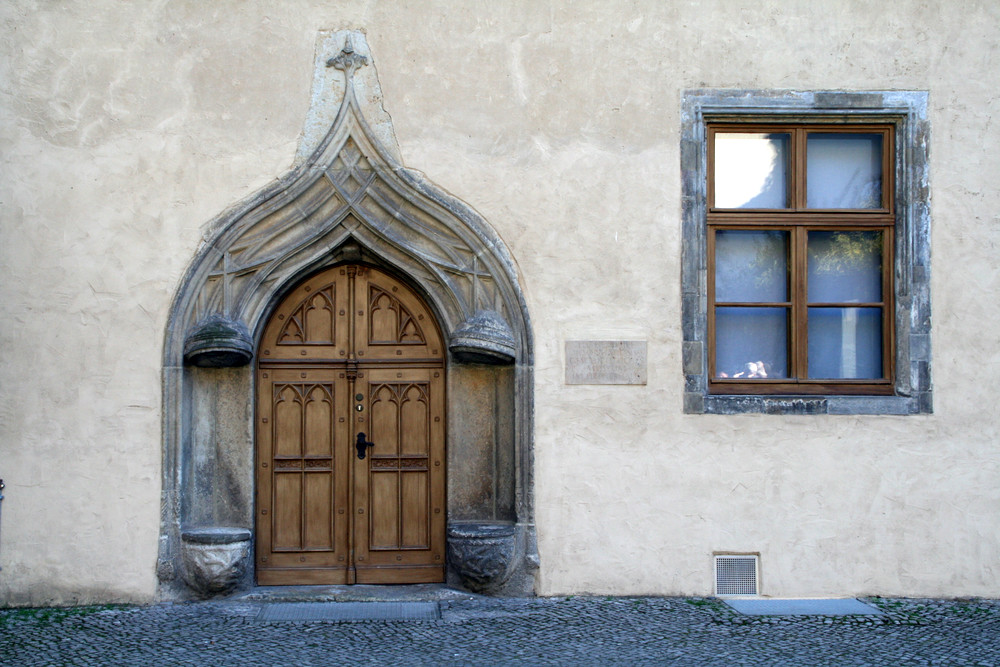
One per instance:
[(805, 252), (800, 229)]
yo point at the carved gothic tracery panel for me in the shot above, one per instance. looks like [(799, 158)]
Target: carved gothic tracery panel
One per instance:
[(390, 323)]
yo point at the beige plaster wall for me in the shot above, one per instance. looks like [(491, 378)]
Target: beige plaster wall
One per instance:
[(125, 127)]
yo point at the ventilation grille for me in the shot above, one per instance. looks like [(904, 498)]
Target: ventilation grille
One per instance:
[(736, 575)]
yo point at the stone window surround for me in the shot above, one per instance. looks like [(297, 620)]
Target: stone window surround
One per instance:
[(907, 110)]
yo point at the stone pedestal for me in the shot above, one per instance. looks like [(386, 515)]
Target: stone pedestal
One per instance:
[(483, 554), (215, 559)]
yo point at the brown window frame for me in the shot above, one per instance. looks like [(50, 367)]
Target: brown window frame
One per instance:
[(798, 220)]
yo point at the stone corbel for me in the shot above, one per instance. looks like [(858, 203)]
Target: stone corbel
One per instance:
[(484, 338), (218, 342)]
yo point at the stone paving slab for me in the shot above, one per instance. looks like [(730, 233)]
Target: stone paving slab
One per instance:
[(801, 607), (486, 631), (349, 611)]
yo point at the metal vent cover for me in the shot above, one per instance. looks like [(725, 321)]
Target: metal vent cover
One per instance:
[(736, 575)]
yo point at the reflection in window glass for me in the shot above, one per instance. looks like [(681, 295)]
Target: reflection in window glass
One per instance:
[(751, 170), (844, 170), (845, 343), (751, 343), (845, 267), (751, 266)]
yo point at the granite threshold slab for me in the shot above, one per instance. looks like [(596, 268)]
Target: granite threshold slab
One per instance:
[(802, 607), (354, 593), (349, 611)]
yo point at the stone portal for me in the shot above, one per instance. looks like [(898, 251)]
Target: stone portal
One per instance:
[(349, 202)]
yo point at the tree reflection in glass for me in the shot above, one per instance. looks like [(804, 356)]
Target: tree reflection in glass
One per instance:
[(845, 267)]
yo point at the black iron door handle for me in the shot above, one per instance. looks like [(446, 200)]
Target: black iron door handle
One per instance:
[(362, 444)]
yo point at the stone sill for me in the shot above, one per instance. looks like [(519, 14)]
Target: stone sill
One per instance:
[(698, 403)]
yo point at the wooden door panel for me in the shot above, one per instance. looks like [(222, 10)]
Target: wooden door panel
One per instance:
[(384, 428), (318, 441), (287, 421), (415, 498), (287, 512), (396, 574), (317, 517), (383, 522), (415, 420)]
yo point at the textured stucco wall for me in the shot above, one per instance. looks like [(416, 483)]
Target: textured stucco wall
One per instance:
[(125, 127)]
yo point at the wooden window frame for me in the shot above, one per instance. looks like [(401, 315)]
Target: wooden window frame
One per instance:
[(907, 111), (797, 220)]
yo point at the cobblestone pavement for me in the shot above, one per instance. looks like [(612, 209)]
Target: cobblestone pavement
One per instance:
[(480, 631)]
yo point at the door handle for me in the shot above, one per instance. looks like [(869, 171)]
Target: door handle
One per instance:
[(362, 444)]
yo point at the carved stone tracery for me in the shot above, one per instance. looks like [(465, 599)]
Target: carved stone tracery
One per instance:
[(351, 189)]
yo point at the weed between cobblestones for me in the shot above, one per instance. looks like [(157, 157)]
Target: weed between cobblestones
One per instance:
[(44, 617)]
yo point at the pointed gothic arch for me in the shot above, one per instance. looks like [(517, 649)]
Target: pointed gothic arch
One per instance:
[(350, 201)]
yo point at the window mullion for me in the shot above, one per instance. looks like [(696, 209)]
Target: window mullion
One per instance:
[(799, 334), (798, 202)]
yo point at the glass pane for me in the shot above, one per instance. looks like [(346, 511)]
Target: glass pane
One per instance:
[(844, 170), (845, 343), (751, 342), (751, 170), (751, 266), (845, 267)]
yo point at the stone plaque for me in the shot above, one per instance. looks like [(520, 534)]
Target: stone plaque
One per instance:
[(605, 362)]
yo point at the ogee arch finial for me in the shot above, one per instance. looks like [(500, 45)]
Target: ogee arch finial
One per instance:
[(347, 60)]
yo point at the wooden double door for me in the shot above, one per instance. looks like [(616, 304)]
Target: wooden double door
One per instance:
[(350, 460)]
